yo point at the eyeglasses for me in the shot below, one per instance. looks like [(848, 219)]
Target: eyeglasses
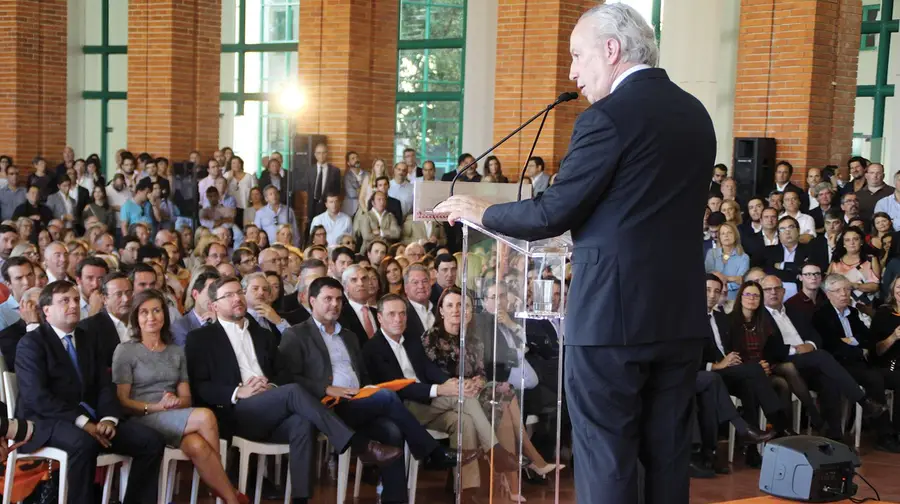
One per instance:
[(230, 295), (786, 229), (770, 290), (751, 295)]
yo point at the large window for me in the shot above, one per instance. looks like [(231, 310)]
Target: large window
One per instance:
[(873, 91), (431, 60), (105, 79), (259, 55)]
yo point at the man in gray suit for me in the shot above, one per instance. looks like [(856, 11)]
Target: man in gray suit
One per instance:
[(353, 180), (61, 204), (539, 180), (325, 359), (200, 314)]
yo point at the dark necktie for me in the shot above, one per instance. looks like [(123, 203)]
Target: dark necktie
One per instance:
[(73, 356), (317, 192)]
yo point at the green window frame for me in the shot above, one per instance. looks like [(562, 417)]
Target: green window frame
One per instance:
[(439, 102), (867, 42), (881, 90), (241, 48), (104, 95)]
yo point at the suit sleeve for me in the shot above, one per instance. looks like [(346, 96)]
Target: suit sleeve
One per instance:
[(392, 230), (200, 364), (379, 368), (583, 178), (293, 355), (33, 389)]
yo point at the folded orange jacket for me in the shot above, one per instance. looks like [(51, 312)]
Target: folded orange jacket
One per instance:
[(394, 385)]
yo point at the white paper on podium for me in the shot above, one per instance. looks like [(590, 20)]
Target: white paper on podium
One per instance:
[(426, 195)]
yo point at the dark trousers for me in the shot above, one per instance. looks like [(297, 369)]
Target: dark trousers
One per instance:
[(144, 445), (876, 380), (288, 414), (631, 404), (383, 418), (749, 383), (714, 407), (830, 380)]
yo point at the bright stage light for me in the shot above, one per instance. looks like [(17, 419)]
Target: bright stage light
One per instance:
[(291, 98)]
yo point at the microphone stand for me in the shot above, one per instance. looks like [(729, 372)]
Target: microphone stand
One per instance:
[(546, 110)]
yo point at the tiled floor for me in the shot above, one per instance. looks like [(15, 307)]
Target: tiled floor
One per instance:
[(881, 469)]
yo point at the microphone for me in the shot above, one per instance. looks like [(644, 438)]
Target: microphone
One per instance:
[(567, 96)]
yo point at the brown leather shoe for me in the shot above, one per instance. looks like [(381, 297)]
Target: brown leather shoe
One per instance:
[(380, 454), (503, 460)]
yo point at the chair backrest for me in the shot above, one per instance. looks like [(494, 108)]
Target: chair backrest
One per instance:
[(11, 390), (2, 370)]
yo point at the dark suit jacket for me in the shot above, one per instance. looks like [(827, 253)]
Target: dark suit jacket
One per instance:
[(715, 188), (804, 195), (774, 254), (307, 183), (775, 349), (414, 327), (49, 386), (625, 178), (183, 326), (711, 352), (827, 323), (307, 361), (297, 316), (350, 322), (9, 339), (818, 252), (383, 366), (819, 216), (499, 363), (213, 366), (265, 180), (100, 326)]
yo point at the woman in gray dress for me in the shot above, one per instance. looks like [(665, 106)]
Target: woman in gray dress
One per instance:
[(151, 378)]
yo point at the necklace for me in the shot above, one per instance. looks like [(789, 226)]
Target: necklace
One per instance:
[(155, 347)]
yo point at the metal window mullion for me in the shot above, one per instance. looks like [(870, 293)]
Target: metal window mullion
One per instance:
[(655, 15), (462, 77), (104, 82), (881, 72)]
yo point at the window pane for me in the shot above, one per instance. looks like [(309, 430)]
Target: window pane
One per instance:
[(230, 14), (862, 126), (117, 136), (275, 133), (118, 72), (434, 125), (424, 19), (253, 72), (118, 22), (228, 73), (424, 70), (446, 22), (93, 80), (412, 21), (92, 15), (277, 69), (91, 125), (272, 21)]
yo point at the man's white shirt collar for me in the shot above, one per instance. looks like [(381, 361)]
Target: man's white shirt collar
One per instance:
[(625, 74)]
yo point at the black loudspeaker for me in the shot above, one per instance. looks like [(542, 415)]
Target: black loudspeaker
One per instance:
[(304, 158), (754, 167)]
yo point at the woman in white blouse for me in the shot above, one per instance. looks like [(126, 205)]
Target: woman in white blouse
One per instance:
[(239, 185)]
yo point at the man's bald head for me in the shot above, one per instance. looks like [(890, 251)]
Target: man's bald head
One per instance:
[(773, 291)]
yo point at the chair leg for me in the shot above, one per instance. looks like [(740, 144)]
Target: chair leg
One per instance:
[(320, 458), (857, 426), (163, 490), (223, 454), (64, 481), (730, 444), (172, 481), (124, 473), (413, 479), (260, 469), (343, 476), (278, 460), (797, 406), (10, 475), (107, 484), (359, 471), (243, 469), (287, 485)]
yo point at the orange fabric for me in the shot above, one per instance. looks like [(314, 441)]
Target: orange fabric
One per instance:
[(29, 473), (394, 385), (775, 500)]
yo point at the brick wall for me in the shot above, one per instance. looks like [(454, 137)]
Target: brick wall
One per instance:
[(173, 76), (532, 70), (796, 82), (33, 84)]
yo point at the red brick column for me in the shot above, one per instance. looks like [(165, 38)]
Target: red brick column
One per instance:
[(176, 45), (796, 82), (532, 70), (33, 84), (348, 72)]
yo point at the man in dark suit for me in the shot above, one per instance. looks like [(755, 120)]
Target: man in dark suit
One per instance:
[(420, 314), (628, 346), (356, 316), (785, 260), (382, 184), (783, 172), (822, 246), (720, 172), (232, 364), (447, 268), (110, 325), (846, 337), (389, 355), (309, 351), (471, 174), (320, 180), (67, 392), (199, 314), (795, 340)]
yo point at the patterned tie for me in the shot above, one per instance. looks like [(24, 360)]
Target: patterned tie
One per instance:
[(367, 322)]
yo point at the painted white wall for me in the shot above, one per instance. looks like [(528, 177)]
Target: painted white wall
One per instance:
[(75, 70), (698, 49), (481, 61)]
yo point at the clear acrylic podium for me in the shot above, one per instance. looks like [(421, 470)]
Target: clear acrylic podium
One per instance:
[(515, 309)]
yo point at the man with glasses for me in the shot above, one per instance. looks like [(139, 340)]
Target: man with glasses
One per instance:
[(850, 207), (784, 260), (850, 342), (215, 254), (232, 363), (809, 298), (796, 341)]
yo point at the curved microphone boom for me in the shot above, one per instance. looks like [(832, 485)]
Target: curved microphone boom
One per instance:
[(567, 96)]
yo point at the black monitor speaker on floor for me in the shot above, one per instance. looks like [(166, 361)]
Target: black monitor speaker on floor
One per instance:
[(754, 166)]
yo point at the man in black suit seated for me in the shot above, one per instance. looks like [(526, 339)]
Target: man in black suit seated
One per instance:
[(110, 326), (233, 365), (849, 341), (784, 260), (446, 267), (356, 316), (746, 380), (783, 172), (795, 340), (30, 319), (420, 312), (433, 399), (824, 192), (822, 247), (310, 269), (65, 388), (324, 358)]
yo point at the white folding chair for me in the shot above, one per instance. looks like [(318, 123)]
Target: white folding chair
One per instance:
[(245, 449), (845, 413), (167, 472), (731, 431), (412, 466)]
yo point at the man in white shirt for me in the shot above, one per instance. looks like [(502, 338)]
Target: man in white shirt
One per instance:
[(56, 261), (420, 310), (117, 193), (813, 178), (769, 223), (807, 224), (110, 325), (355, 314), (206, 183), (335, 222), (401, 189)]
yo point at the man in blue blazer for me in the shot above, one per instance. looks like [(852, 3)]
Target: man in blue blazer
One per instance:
[(637, 167)]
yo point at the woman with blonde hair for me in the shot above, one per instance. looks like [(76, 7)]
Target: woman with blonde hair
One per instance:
[(379, 169), (729, 258), (732, 211)]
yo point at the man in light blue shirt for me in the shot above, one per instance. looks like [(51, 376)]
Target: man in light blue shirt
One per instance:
[(891, 204), (274, 214), (401, 189), (12, 195), (18, 273), (137, 209)]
